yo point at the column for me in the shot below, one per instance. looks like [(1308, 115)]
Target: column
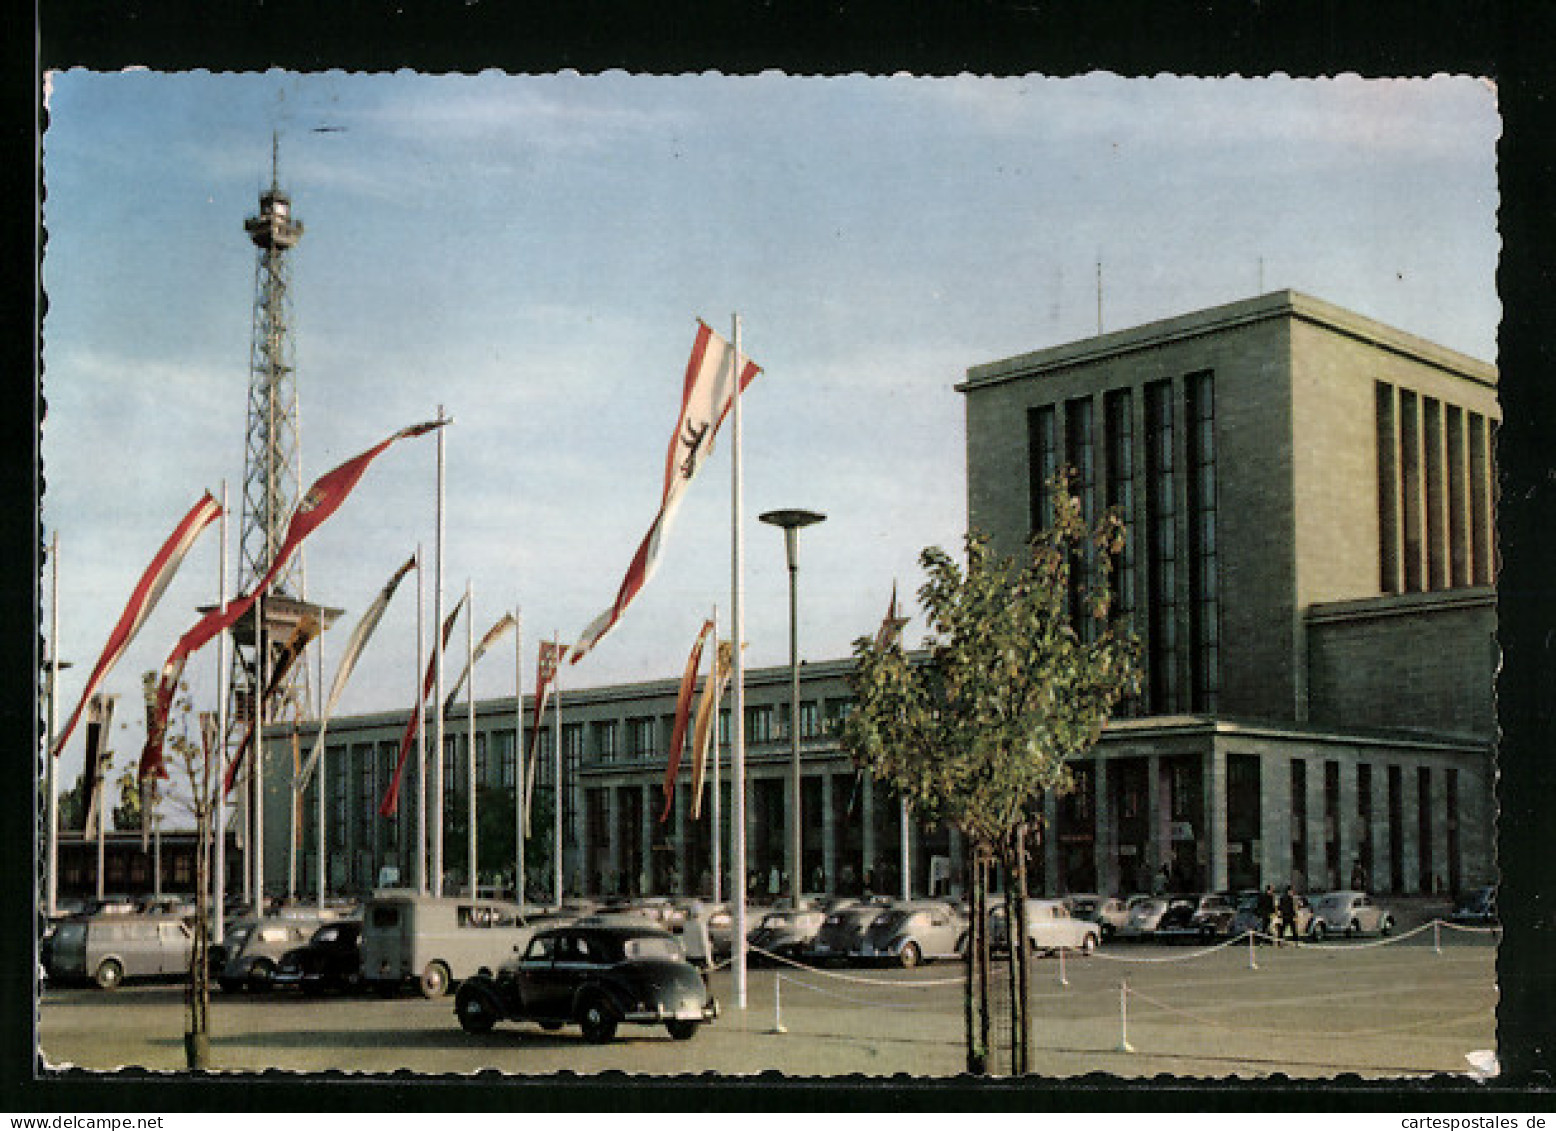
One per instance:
[(1476, 820), (1276, 806), (1439, 801), (1105, 846), (612, 879), (1317, 863), (644, 880), (1378, 866), (828, 833), (683, 799), (1410, 828), (1050, 845), (1350, 842), (1215, 815)]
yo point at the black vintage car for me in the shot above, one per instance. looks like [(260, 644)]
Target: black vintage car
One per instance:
[(595, 977), (331, 959)]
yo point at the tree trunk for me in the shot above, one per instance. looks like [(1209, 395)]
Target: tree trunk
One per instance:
[(1015, 948), (197, 995), (1023, 967), (976, 1004)]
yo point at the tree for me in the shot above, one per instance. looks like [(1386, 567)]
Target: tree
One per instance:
[(495, 831), (1013, 686)]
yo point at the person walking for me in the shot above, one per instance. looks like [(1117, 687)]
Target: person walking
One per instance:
[(1266, 908), (1288, 914)]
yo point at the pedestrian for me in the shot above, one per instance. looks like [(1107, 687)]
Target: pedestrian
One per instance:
[(1288, 913), (1358, 876), (1266, 908)]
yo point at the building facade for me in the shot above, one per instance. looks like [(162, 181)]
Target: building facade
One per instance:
[(1309, 567), (1309, 502)]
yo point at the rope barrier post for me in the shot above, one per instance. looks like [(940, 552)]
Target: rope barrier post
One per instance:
[(1252, 965), (777, 1005), (1063, 981), (1123, 1018), (1437, 936)]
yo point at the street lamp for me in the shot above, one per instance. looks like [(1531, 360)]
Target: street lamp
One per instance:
[(791, 521)]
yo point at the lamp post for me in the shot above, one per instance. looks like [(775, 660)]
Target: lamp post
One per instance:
[(790, 521)]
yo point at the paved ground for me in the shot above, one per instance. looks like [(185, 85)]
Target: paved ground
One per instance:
[(1394, 1010)]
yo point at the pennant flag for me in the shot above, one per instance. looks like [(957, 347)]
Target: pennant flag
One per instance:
[(683, 709), (707, 709), (706, 398), (303, 635), (99, 720), (493, 635), (892, 625), (546, 664), (322, 500), (143, 599), (348, 661), (391, 802)]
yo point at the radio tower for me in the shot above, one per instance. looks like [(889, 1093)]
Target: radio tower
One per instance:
[(271, 478)]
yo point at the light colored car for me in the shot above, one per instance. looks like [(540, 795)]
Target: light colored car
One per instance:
[(1349, 913), (255, 952), (786, 934), (913, 932), (1050, 927), (1142, 915), (842, 931), (107, 949)]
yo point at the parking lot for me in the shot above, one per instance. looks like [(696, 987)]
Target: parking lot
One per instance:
[(1382, 1008)]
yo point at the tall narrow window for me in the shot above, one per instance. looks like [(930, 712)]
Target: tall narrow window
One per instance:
[(1410, 487), (1119, 436), (1396, 829), (1458, 498), (1043, 464), (1299, 814), (1365, 847), (1161, 550), (1204, 602), (1080, 454), (1480, 502), (1455, 873), (1388, 491), (1436, 533), (1424, 831)]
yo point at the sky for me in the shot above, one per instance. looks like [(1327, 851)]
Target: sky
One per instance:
[(532, 254)]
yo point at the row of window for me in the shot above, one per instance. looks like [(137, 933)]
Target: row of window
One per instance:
[(1435, 493), (1181, 629)]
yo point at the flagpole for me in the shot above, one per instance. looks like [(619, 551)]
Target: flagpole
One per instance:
[(718, 829), (437, 645), (419, 704), (556, 764), (257, 758), (518, 756), (738, 728), (470, 731), (223, 677), (49, 754)]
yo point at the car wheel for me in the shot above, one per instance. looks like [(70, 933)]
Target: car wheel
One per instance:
[(596, 1021), (1351, 928), (261, 975), (550, 1026), (1316, 931), (434, 980), (682, 1030), (1088, 944), (1387, 926), (910, 956), (476, 1014), (109, 975), (961, 946)]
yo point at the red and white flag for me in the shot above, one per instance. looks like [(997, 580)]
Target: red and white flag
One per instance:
[(391, 801), (707, 395), (322, 500), (348, 662), (892, 625), (707, 707), (546, 665), (148, 591), (275, 684), (683, 710)]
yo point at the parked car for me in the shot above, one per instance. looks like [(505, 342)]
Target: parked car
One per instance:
[(595, 977), (1144, 913), (1349, 913), (1478, 908), (1177, 920), (1111, 914), (843, 930), (109, 949), (253, 958), (435, 941), (787, 934), (1050, 927), (1213, 916), (331, 959), (912, 932)]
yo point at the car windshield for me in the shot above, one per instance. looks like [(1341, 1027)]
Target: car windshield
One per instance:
[(651, 946), (70, 933)]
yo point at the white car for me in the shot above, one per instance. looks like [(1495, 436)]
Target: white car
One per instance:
[(1050, 927), (1348, 913), (1142, 915)]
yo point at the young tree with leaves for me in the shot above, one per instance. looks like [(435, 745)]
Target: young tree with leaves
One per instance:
[(978, 730)]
